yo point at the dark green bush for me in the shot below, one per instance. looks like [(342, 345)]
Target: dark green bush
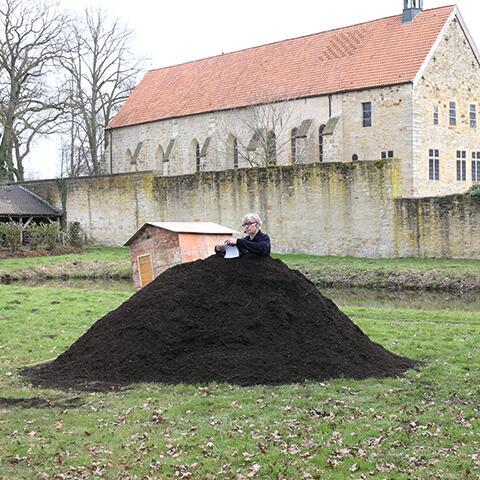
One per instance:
[(11, 235), (474, 193), (76, 236), (44, 236)]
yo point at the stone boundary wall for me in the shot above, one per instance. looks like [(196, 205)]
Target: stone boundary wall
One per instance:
[(443, 227), (325, 209)]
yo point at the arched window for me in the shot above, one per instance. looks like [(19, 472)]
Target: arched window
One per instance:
[(159, 157), (235, 153), (320, 143), (195, 154), (271, 148), (294, 145), (198, 160)]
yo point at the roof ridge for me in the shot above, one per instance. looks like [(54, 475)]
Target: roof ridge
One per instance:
[(291, 39)]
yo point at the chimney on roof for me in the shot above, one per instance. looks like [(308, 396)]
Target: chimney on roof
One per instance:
[(411, 8)]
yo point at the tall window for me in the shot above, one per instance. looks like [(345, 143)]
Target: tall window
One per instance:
[(435, 114), (198, 160), (235, 153), (476, 166), (367, 114), (271, 148), (294, 145), (320, 142), (473, 116), (452, 113), (461, 165), (434, 164)]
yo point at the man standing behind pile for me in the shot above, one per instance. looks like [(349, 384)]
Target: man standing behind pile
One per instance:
[(255, 242)]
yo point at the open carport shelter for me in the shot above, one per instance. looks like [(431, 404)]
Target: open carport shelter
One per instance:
[(17, 204)]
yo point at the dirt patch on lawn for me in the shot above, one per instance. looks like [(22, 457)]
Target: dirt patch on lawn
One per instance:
[(244, 321), (38, 402)]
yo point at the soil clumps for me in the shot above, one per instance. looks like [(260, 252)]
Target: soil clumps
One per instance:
[(243, 321)]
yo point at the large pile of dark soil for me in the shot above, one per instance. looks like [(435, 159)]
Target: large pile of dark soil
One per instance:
[(244, 321)]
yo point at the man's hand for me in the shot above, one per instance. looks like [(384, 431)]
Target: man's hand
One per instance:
[(231, 241), (219, 248)]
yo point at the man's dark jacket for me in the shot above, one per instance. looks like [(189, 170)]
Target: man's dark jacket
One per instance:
[(259, 245)]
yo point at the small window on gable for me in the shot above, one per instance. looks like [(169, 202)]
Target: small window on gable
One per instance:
[(473, 115), (452, 114), (435, 115), (387, 154), (476, 166), (367, 114), (434, 164), (461, 165)]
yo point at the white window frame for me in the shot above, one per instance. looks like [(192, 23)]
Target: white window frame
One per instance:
[(461, 157), (473, 119), (476, 166), (452, 119), (433, 164), (436, 115)]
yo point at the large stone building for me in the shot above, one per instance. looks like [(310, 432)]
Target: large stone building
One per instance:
[(373, 130), (404, 87)]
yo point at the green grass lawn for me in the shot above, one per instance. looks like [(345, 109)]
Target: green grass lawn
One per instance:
[(423, 425), (399, 273)]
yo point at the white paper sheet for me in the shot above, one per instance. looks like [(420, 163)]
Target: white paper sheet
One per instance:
[(231, 251)]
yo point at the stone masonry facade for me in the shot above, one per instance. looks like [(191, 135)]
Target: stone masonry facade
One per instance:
[(452, 75), (346, 141), (402, 127)]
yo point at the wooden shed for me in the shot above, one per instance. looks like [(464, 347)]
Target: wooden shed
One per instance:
[(157, 246)]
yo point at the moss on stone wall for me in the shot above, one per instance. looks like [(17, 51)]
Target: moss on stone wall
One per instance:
[(327, 209)]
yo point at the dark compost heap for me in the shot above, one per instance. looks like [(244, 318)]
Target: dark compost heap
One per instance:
[(244, 321)]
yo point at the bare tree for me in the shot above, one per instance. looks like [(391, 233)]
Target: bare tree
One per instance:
[(260, 131), (101, 74), (30, 46)]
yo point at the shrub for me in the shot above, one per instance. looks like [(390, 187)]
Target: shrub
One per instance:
[(76, 235), (474, 193), (44, 236), (11, 235)]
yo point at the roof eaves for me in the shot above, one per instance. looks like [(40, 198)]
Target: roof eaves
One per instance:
[(286, 99)]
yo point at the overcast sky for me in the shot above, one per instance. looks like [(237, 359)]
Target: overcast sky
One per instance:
[(176, 31)]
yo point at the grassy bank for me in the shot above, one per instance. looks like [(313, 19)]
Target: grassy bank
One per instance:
[(423, 425), (398, 274), (99, 262), (395, 273)]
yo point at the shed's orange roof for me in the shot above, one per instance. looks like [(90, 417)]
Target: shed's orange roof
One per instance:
[(373, 54)]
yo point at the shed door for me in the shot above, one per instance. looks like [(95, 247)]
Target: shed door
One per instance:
[(145, 269)]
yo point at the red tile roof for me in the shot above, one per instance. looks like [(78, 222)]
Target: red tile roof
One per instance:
[(378, 53)]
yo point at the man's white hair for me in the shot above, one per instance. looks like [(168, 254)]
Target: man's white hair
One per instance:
[(252, 218)]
